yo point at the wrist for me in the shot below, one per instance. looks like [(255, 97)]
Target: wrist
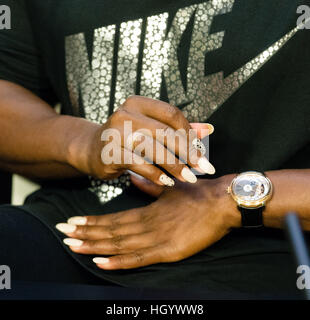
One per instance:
[(80, 139), (225, 205)]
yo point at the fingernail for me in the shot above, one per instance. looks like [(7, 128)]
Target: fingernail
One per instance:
[(73, 242), (79, 221), (188, 175), (65, 228), (101, 260), (206, 166), (164, 179), (210, 129), (198, 145)]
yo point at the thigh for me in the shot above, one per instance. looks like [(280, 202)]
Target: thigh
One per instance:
[(33, 252)]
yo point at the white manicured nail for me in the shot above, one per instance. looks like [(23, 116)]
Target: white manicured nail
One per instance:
[(198, 145), (65, 228), (78, 221), (167, 181), (206, 166), (188, 175), (101, 260), (73, 242)]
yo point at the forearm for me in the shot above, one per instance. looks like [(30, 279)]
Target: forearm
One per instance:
[(42, 171), (291, 193), (34, 139)]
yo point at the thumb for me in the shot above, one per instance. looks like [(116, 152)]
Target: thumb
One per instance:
[(146, 185)]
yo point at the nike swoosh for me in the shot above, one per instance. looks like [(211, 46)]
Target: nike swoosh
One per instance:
[(219, 89)]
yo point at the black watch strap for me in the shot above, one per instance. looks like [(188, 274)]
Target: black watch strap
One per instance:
[(251, 217)]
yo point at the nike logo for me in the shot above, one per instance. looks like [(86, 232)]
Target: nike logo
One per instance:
[(218, 89)]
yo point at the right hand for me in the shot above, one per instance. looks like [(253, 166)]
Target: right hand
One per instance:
[(144, 113)]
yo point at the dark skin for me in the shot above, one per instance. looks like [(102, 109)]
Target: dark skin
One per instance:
[(35, 138), (186, 218)]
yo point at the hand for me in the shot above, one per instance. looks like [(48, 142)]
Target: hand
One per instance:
[(144, 114), (183, 221)]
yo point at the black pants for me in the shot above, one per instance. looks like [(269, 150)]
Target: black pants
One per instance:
[(33, 253), (249, 261)]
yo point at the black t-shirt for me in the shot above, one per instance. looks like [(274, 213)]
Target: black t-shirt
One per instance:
[(242, 65)]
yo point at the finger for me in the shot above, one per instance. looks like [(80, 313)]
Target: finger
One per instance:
[(182, 143), (155, 152), (150, 172), (114, 219), (174, 118), (203, 129), (174, 140), (136, 163), (116, 245), (100, 232), (136, 259), (146, 185), (188, 148), (159, 110)]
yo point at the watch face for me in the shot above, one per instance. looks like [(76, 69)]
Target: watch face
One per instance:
[(251, 188)]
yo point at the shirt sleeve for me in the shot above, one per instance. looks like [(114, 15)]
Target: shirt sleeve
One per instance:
[(20, 60)]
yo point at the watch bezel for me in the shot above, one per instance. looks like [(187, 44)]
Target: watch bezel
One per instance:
[(251, 203)]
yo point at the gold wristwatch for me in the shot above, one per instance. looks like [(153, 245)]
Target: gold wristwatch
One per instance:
[(251, 190)]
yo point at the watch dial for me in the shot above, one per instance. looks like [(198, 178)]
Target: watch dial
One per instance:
[(250, 187)]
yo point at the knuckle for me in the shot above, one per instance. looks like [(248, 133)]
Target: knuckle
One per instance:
[(119, 115), (145, 218), (111, 231), (117, 242), (131, 101), (172, 112), (139, 257), (115, 222), (114, 118), (175, 114)]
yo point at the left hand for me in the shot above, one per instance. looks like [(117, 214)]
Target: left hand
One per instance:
[(183, 221)]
